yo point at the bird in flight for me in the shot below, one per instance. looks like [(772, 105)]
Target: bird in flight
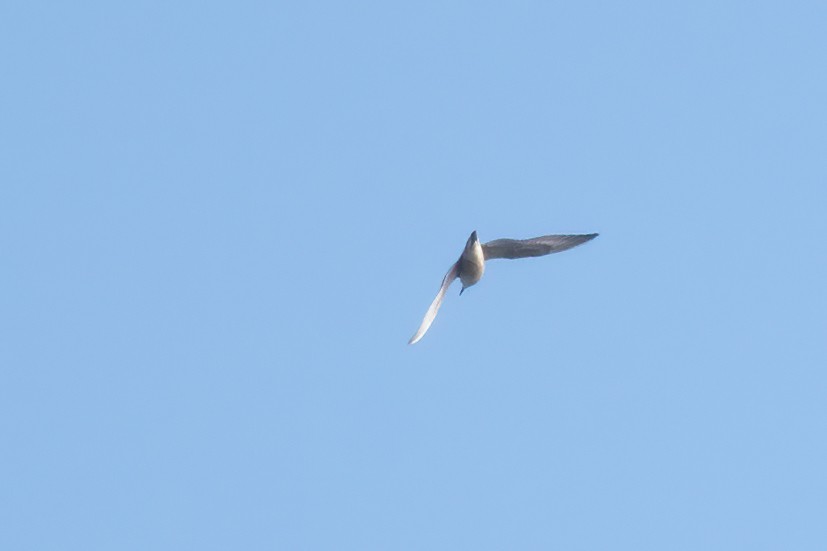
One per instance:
[(471, 264)]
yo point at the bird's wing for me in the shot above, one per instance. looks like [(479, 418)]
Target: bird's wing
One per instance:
[(432, 310), (537, 246)]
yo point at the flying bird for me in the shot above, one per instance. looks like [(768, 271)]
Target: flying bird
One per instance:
[(471, 264)]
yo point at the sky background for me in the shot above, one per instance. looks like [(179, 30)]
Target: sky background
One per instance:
[(220, 223)]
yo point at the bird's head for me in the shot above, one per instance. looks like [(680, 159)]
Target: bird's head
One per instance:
[(471, 241)]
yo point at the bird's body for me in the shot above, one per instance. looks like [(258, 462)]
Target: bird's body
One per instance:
[(471, 264)]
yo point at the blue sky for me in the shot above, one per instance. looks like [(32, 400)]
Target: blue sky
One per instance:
[(221, 223)]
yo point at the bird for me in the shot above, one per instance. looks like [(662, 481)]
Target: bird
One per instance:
[(471, 264)]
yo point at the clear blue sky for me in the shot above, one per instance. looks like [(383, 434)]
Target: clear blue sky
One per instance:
[(221, 223)]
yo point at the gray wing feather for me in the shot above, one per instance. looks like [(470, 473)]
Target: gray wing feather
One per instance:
[(434, 308), (537, 246)]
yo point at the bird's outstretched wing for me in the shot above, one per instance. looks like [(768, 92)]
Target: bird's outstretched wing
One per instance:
[(432, 310), (537, 246)]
